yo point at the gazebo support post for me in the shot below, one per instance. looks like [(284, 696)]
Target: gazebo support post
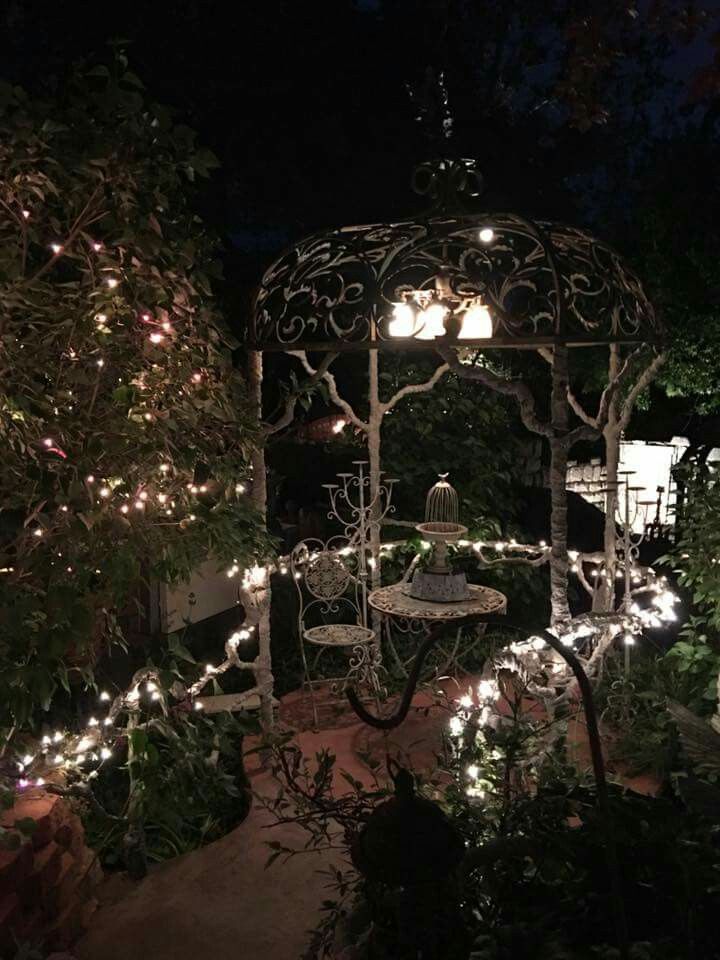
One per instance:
[(558, 486), (263, 662)]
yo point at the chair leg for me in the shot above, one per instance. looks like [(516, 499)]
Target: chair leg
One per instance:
[(308, 682)]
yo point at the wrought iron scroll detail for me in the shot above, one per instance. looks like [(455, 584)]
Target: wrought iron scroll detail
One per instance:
[(543, 282)]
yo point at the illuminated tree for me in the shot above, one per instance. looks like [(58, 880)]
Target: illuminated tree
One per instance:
[(125, 431)]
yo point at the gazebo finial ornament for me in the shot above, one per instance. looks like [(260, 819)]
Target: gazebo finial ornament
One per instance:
[(452, 278), (448, 184)]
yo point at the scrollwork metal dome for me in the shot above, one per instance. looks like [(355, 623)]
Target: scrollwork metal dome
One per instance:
[(541, 282)]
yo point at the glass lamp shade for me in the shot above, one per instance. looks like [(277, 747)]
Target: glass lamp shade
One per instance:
[(432, 322), (476, 323), (403, 321)]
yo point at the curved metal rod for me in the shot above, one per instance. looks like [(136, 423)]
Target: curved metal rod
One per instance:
[(389, 723), (593, 732)]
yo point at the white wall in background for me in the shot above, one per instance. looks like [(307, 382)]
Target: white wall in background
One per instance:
[(651, 464), (213, 592)]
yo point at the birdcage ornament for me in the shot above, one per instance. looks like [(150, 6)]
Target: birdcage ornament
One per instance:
[(441, 527)]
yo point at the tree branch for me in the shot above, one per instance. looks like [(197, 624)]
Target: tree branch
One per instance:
[(77, 226), (580, 412), (332, 390), (289, 413), (415, 388), (510, 388), (614, 385), (641, 383)]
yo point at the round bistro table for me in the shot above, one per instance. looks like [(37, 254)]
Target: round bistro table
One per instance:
[(430, 617)]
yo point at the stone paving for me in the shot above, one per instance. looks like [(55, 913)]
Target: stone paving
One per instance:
[(221, 901)]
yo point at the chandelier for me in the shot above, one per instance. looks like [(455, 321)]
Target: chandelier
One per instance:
[(440, 313)]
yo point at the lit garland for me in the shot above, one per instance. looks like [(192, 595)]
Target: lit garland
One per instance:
[(84, 754)]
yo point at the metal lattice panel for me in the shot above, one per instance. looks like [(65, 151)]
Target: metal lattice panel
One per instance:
[(542, 282)]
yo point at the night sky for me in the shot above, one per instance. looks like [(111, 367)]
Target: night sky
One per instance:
[(308, 104)]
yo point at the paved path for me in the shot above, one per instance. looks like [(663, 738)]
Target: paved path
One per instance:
[(221, 901)]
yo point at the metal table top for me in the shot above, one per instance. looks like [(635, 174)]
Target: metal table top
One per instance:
[(395, 601)]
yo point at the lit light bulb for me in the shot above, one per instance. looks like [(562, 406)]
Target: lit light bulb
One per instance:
[(456, 726), (156, 338), (26, 214), (139, 505), (124, 508), (164, 468), (476, 324), (56, 248), (105, 753), (105, 492), (197, 377), (486, 689), (112, 282), (487, 235), (432, 322), (97, 247), (403, 322)]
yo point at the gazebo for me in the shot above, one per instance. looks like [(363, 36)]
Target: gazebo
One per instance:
[(460, 283)]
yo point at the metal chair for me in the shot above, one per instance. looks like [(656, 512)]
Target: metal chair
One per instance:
[(332, 616)]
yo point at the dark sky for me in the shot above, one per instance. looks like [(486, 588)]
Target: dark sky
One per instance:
[(306, 103)]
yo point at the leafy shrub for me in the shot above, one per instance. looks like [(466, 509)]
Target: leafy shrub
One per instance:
[(186, 784)]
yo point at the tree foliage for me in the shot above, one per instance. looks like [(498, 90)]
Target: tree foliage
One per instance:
[(124, 426)]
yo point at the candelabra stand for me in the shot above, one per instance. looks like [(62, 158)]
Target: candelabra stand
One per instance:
[(361, 516), (628, 510)]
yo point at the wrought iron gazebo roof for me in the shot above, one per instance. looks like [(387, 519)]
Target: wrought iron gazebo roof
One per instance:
[(542, 283)]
